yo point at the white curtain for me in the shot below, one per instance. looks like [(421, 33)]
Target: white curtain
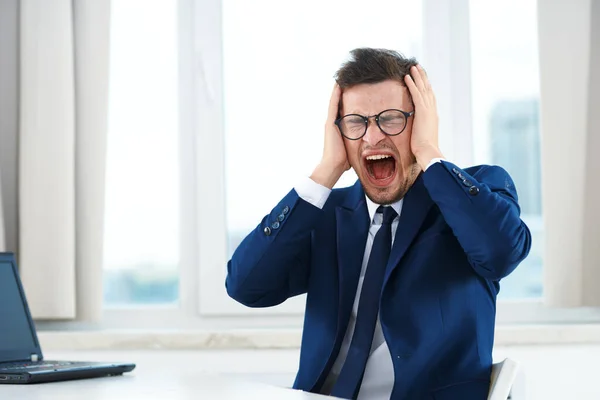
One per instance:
[(8, 120), (569, 41), (2, 232), (64, 47)]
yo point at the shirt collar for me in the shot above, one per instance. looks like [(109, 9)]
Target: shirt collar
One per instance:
[(372, 207)]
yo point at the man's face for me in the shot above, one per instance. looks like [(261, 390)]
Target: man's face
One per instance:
[(384, 164)]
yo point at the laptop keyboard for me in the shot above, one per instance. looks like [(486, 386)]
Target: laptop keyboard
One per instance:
[(34, 365)]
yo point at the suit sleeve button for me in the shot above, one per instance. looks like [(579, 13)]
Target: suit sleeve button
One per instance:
[(267, 231), (275, 225), (473, 190), (281, 218), (286, 209)]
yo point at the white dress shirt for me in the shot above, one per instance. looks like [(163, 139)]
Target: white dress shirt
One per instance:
[(378, 380)]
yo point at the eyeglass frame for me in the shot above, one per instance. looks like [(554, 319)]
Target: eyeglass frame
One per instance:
[(376, 116)]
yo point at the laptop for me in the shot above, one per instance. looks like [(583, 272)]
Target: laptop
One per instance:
[(21, 358)]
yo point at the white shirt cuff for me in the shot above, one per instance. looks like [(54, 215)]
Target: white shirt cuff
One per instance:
[(433, 161), (312, 192)]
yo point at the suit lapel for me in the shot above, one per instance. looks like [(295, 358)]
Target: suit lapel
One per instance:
[(415, 207), (352, 230)]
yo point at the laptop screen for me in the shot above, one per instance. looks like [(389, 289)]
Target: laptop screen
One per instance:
[(15, 332)]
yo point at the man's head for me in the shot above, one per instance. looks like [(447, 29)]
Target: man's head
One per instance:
[(372, 81)]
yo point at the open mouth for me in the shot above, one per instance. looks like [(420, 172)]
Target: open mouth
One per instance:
[(381, 168)]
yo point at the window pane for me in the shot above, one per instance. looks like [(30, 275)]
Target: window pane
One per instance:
[(279, 61), (506, 119), (142, 189)]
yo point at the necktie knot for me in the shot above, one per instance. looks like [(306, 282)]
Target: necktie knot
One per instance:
[(388, 214)]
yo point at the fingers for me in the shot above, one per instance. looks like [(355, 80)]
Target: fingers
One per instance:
[(334, 103), (415, 93), (417, 77), (419, 86), (424, 77)]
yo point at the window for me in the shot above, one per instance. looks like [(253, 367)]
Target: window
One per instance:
[(279, 60), (505, 103), (248, 84), (142, 181)]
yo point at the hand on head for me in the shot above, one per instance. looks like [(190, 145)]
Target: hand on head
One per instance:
[(424, 140), (335, 160)]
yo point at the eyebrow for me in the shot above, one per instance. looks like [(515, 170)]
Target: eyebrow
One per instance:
[(365, 115)]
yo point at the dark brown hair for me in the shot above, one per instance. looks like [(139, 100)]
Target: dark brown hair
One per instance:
[(367, 65)]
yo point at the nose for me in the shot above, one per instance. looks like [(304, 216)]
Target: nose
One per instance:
[(373, 135)]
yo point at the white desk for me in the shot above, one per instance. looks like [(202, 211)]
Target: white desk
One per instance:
[(163, 386), (172, 375)]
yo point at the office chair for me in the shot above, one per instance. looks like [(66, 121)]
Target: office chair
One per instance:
[(504, 374)]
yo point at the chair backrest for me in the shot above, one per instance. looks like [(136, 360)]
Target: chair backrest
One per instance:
[(503, 377)]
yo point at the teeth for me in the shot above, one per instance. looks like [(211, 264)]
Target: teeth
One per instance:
[(378, 157)]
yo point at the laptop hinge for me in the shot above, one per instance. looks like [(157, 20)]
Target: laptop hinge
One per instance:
[(34, 358)]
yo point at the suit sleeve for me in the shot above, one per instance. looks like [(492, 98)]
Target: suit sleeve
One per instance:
[(483, 212), (272, 263)]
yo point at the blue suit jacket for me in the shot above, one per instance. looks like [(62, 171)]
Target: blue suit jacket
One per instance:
[(459, 233)]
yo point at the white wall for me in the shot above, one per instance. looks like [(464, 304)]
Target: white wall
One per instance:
[(9, 84)]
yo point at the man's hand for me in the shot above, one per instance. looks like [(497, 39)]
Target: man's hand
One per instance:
[(424, 140), (334, 161)]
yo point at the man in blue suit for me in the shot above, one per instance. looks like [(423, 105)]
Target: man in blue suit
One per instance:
[(402, 269)]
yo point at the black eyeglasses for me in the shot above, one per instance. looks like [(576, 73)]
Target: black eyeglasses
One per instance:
[(391, 122)]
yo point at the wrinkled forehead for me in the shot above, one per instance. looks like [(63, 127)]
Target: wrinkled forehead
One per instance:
[(372, 98)]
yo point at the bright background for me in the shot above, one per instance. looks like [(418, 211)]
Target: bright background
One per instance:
[(279, 59)]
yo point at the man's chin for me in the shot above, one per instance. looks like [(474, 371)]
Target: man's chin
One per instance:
[(382, 194), (382, 197)]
